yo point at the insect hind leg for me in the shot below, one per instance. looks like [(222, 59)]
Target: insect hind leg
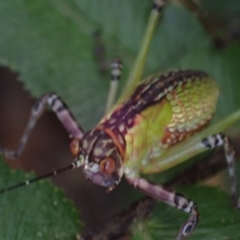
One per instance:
[(173, 199), (220, 139), (63, 114)]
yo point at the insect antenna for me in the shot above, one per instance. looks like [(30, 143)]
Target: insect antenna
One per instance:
[(75, 164)]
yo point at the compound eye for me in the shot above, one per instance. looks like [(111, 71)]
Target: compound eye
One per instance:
[(107, 165), (75, 147)]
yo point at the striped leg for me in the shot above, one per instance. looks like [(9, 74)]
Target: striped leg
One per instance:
[(116, 67), (219, 140), (63, 114), (210, 25), (173, 199)]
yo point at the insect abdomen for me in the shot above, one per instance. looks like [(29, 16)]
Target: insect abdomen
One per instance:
[(193, 104), (185, 99)]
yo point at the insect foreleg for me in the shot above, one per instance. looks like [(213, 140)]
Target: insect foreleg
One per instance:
[(116, 72), (63, 114), (173, 199), (219, 140)]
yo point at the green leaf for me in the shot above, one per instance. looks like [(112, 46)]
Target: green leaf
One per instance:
[(50, 44), (37, 211), (218, 219)]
